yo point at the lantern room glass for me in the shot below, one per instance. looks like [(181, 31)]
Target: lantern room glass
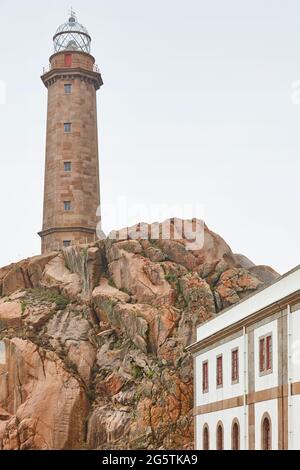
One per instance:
[(72, 36)]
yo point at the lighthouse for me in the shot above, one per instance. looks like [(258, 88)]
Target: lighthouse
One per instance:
[(71, 186)]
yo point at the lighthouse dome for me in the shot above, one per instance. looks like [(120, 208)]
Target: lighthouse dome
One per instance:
[(72, 36)]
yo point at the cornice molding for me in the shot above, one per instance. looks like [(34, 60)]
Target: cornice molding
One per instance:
[(49, 231), (246, 322), (71, 73)]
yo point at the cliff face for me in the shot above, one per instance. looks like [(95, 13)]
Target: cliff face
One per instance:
[(92, 341)]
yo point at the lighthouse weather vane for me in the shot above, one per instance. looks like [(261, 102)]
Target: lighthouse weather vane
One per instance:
[(72, 13)]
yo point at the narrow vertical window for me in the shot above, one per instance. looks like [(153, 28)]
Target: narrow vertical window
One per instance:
[(220, 437), (67, 127), (262, 354), (265, 354), (235, 365), (68, 60), (68, 89), (205, 437), (269, 352), (266, 434), (235, 436), (205, 377), (67, 166), (67, 206), (219, 371)]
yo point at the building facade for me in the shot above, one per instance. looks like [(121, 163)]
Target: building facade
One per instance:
[(72, 188), (247, 372)]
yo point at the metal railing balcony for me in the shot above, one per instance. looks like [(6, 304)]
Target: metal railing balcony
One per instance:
[(49, 67)]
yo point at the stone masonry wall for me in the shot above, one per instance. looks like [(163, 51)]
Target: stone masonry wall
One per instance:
[(80, 186)]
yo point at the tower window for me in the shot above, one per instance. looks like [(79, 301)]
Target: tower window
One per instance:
[(68, 89), (67, 127), (68, 60), (67, 166), (67, 206), (66, 243)]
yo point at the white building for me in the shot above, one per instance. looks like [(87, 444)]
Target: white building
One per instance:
[(247, 372)]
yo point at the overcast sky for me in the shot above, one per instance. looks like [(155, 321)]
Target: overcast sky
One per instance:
[(196, 108)]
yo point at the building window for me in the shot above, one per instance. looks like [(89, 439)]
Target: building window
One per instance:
[(68, 60), (235, 366), (269, 352), (266, 433), (68, 89), (261, 354), (205, 437), (219, 371), (265, 354), (68, 166), (67, 206), (220, 436), (205, 377), (67, 127), (235, 435), (66, 243)]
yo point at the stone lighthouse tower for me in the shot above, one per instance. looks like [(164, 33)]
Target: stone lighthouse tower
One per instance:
[(72, 188)]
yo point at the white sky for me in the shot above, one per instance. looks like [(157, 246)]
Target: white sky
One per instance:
[(196, 108)]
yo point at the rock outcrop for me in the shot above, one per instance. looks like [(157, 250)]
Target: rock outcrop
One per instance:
[(92, 339)]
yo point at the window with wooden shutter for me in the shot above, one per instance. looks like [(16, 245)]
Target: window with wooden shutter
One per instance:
[(235, 365), (262, 354), (265, 354), (269, 352), (205, 377), (219, 371)]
